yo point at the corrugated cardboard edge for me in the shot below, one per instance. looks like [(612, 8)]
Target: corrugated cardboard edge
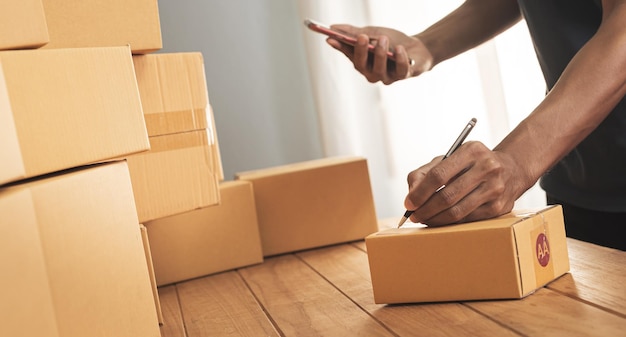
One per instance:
[(155, 291), (297, 167), (10, 152)]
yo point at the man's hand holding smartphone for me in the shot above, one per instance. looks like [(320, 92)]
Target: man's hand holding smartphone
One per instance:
[(369, 50)]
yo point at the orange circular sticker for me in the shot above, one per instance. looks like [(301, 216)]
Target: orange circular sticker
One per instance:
[(543, 250)]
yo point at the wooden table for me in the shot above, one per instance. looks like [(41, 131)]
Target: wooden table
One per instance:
[(327, 292)]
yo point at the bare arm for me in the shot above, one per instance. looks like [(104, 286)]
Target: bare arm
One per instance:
[(473, 23), (589, 88), (481, 183)]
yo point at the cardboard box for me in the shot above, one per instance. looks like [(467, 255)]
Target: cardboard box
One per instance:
[(173, 92), (503, 258), (72, 257), (175, 176), (22, 24), (181, 172), (313, 204), (155, 291), (104, 23), (207, 240), (65, 108)]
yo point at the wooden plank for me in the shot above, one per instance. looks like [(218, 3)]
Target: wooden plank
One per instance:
[(597, 276), (548, 313), (222, 305), (172, 317), (347, 268), (302, 303)]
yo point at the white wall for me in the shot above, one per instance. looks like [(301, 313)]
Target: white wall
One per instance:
[(256, 75)]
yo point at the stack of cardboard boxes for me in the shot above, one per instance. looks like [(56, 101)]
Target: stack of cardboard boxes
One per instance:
[(109, 163), (76, 158)]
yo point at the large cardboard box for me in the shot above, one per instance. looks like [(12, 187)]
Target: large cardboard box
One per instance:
[(22, 24), (182, 170), (72, 257), (312, 204), (104, 23), (208, 240), (65, 108), (503, 258)]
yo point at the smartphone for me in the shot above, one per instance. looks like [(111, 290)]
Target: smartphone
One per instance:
[(342, 37)]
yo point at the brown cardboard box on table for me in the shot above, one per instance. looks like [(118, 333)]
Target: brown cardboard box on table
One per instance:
[(178, 174), (313, 204), (22, 24), (207, 240), (104, 23), (72, 257), (503, 258), (64, 108)]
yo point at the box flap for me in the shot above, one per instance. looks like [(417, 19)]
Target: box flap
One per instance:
[(12, 167), (24, 286), (22, 24)]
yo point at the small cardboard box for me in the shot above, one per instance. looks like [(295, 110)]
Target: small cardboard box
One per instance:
[(208, 240), (22, 24), (104, 23), (313, 204), (72, 257), (64, 108), (503, 258), (174, 177)]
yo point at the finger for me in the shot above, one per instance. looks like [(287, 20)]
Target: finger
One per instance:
[(403, 67), (474, 207), (414, 180), (379, 68), (361, 54), (455, 213), (342, 47), (449, 204)]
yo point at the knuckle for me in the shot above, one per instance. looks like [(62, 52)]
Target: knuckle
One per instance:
[(456, 213), (448, 196), (437, 175)]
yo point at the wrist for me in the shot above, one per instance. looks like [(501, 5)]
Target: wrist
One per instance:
[(423, 59)]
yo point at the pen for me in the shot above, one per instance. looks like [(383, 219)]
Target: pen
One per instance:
[(459, 140)]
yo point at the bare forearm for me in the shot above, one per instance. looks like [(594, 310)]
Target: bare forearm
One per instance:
[(589, 88), (473, 23)]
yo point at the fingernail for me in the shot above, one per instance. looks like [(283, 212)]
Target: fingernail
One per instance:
[(384, 42)]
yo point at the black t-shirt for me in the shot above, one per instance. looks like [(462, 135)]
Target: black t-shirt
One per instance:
[(593, 175)]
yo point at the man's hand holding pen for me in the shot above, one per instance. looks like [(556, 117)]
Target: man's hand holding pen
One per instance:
[(479, 184)]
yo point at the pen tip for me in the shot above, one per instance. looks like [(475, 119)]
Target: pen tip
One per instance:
[(402, 221)]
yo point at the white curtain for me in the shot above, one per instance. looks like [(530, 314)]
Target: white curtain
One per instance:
[(402, 126)]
